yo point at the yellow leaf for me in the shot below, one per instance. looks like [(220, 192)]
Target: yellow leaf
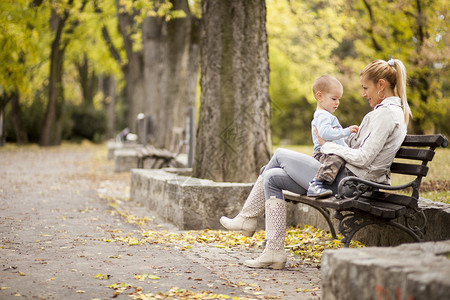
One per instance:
[(22, 274), (133, 241), (102, 276)]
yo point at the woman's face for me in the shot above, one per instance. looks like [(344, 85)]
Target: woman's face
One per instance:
[(370, 92)]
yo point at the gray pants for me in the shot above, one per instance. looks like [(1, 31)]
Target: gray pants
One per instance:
[(292, 171)]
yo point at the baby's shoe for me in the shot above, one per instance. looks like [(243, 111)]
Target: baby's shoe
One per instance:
[(317, 190)]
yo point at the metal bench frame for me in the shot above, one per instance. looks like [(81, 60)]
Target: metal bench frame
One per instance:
[(360, 203)]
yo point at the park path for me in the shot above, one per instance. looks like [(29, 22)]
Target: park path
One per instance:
[(69, 231)]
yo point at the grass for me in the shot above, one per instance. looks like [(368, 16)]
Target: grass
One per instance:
[(436, 181)]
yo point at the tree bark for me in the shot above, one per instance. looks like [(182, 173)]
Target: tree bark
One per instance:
[(153, 50), (107, 85), (88, 81), (51, 130), (16, 119), (133, 70), (233, 137), (171, 56)]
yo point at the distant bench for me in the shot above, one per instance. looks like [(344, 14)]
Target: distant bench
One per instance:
[(360, 202), (161, 158)]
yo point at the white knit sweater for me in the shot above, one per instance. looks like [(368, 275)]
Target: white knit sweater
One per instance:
[(373, 148)]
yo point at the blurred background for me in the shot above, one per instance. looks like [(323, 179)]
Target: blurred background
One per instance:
[(83, 69)]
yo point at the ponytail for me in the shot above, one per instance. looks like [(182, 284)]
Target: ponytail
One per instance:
[(400, 87)]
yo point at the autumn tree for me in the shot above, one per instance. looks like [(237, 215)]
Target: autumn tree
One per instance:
[(160, 68), (233, 138), (171, 62), (20, 24), (62, 27)]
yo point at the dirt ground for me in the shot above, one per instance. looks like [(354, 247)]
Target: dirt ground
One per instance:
[(69, 231)]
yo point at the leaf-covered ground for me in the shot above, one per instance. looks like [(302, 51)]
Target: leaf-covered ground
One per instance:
[(68, 230)]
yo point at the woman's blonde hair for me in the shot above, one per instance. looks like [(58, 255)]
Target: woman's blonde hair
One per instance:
[(394, 72)]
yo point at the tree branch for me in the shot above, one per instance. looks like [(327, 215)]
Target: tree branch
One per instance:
[(114, 53), (105, 33), (372, 23)]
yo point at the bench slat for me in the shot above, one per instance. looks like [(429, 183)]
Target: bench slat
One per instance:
[(379, 208), (416, 154), (433, 140), (395, 198), (331, 202), (409, 169)]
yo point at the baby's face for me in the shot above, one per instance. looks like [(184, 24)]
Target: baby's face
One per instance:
[(330, 100)]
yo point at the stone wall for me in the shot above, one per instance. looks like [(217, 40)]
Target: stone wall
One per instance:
[(187, 202), (419, 271), (437, 229), (192, 203)]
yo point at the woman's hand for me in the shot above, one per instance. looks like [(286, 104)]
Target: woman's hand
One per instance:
[(320, 140)]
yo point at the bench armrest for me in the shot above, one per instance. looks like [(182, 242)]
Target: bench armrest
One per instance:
[(353, 187)]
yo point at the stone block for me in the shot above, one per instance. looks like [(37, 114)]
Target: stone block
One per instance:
[(112, 146), (125, 159), (185, 201), (411, 271)]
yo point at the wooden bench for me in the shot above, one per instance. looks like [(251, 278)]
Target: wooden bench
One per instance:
[(161, 158), (360, 203)]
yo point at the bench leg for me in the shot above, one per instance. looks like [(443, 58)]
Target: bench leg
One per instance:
[(325, 213), (351, 223)]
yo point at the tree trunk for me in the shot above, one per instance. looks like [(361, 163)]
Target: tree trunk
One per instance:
[(233, 137), (107, 85), (133, 71), (51, 129), (3, 102), (171, 55), (16, 119), (152, 38), (88, 81)]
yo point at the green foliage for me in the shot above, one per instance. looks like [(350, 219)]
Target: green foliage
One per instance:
[(311, 38), (22, 40), (417, 33), (306, 39), (303, 39)]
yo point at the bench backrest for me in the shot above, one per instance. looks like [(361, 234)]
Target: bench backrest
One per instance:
[(418, 150)]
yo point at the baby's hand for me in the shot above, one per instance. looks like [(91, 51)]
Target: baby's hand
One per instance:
[(354, 128)]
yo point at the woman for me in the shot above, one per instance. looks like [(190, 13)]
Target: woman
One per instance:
[(369, 156)]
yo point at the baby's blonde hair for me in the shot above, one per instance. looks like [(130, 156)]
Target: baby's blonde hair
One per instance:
[(324, 83), (394, 73)]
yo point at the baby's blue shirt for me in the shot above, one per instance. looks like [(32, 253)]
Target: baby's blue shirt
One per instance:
[(328, 127)]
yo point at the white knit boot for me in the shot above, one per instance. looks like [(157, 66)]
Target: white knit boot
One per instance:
[(274, 255), (246, 220)]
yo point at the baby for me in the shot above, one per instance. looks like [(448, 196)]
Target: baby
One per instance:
[(328, 92)]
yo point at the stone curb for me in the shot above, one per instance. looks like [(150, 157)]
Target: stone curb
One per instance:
[(410, 271)]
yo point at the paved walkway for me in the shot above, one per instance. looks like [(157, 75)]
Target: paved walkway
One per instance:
[(60, 238)]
